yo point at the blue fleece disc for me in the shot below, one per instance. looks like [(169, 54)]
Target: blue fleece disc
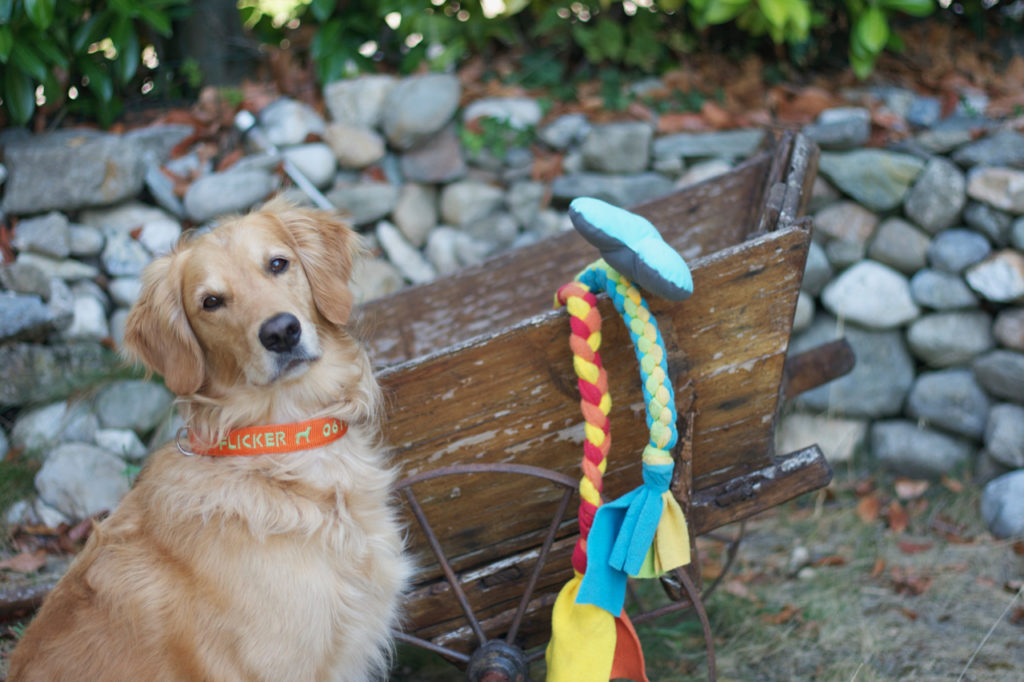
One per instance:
[(633, 246)]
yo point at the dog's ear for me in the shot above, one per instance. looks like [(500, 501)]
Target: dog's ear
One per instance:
[(158, 333), (326, 247)]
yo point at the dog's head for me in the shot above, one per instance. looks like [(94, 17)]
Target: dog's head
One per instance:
[(246, 302)]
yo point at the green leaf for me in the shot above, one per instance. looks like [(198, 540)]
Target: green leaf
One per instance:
[(871, 30), (6, 43), (915, 8), (52, 53), (862, 66), (722, 11), (612, 40), (157, 20), (88, 33), (322, 9), (774, 11), (128, 57), (100, 82), (40, 12), (6, 7), (19, 95), (26, 59)]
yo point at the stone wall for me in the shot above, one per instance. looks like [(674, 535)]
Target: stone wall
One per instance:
[(916, 260)]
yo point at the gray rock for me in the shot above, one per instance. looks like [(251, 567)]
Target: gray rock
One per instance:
[(1000, 278), (1001, 188), (564, 131), (1002, 505), (374, 278), (702, 171), (1001, 373), (842, 254), (957, 249), (314, 160), (1005, 148), (520, 113), (81, 480), (232, 191), (879, 380), (951, 338), (817, 270), (618, 147), (358, 101), (995, 225), (987, 468), (846, 221), (40, 428), (731, 144), (71, 169), (840, 128), (911, 450), (937, 197), (941, 291), (872, 295), (160, 236), (67, 270), (24, 278), (124, 256), (524, 201), (899, 245), (875, 178), (499, 229), (822, 194), (89, 322), (467, 201), (121, 442), (419, 106), (47, 235), (117, 321), (1004, 434), (365, 202), (838, 438), (354, 146), (23, 317), (924, 111), (804, 313), (1017, 234), (951, 400), (409, 261), (439, 159), (133, 404), (1009, 328), (161, 188), (415, 212), (441, 250), (85, 241), (620, 190), (124, 218), (4, 443), (288, 122), (941, 140)]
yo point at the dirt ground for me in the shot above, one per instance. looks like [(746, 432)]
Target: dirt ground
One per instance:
[(873, 579)]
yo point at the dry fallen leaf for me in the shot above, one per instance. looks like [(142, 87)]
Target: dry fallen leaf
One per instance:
[(898, 518), (1018, 547), (952, 485), (912, 615), (832, 560), (878, 568), (908, 582), (788, 613), (868, 508), (26, 562), (909, 488), (908, 547)]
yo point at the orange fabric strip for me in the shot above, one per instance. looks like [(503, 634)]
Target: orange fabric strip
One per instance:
[(274, 439)]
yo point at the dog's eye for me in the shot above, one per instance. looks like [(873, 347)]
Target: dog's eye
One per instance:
[(212, 302), (278, 265)]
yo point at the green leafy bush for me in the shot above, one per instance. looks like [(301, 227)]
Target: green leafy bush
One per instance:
[(81, 52)]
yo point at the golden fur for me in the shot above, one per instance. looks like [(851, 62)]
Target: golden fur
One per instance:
[(274, 567)]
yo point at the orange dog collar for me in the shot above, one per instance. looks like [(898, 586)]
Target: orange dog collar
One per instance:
[(272, 439)]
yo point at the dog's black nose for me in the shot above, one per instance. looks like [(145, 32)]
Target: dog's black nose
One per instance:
[(280, 333)]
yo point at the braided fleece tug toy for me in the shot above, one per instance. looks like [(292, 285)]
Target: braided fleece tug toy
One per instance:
[(643, 533)]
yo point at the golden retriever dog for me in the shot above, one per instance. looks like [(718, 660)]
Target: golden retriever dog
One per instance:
[(279, 567)]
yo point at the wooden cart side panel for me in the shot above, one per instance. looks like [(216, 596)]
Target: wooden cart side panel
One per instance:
[(511, 397), (520, 284)]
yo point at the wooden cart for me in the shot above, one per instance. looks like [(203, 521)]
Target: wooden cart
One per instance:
[(484, 416)]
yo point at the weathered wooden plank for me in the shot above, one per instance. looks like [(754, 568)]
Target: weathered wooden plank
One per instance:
[(520, 284), (511, 397), (816, 366)]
